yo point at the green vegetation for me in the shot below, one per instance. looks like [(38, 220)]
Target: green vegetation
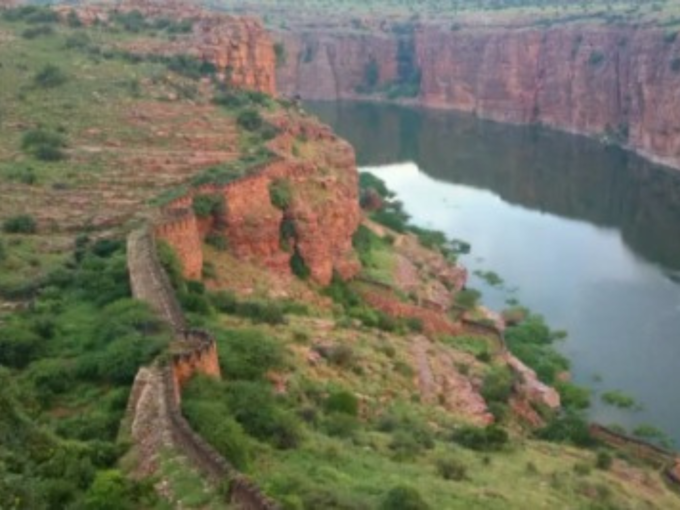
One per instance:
[(618, 399), (208, 205), (22, 224), (49, 77), (67, 365), (44, 145), (651, 433), (281, 193)]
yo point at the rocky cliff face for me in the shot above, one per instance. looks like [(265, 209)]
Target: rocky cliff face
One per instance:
[(317, 224), (619, 83)]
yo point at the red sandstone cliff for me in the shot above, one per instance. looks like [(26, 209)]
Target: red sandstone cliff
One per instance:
[(323, 210), (621, 82)]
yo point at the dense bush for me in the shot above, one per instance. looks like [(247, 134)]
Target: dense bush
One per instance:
[(568, 428), (22, 224), (250, 119), (450, 468), (212, 420), (82, 340), (44, 145), (49, 77), (369, 181), (254, 406), (205, 205), (280, 193), (489, 438), (249, 354), (298, 265), (403, 497), (342, 402), (111, 490), (37, 31), (498, 384), (468, 298)]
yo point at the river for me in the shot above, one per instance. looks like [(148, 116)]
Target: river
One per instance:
[(585, 234)]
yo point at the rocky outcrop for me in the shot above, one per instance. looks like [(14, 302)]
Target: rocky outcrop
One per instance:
[(317, 224), (618, 83)]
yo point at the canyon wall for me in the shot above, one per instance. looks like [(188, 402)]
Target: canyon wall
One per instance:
[(620, 83)]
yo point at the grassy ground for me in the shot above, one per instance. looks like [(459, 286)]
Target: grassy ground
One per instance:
[(396, 439)]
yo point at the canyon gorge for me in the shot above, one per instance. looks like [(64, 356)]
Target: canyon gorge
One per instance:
[(615, 83)]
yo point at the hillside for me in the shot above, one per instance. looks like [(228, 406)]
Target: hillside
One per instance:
[(205, 306)]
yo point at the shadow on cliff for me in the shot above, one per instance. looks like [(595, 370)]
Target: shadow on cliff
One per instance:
[(569, 176)]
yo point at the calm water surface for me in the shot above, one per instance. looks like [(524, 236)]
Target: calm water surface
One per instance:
[(588, 236)]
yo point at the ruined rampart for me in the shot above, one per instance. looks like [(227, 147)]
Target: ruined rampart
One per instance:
[(195, 351)]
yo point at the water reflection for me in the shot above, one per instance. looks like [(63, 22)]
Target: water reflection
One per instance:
[(544, 170)]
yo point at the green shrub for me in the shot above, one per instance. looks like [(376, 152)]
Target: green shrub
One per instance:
[(573, 396), (582, 469), (22, 174), (450, 468), (206, 205), (489, 438), (225, 301), (498, 384), (341, 355), (255, 408), (618, 399), (403, 497), (249, 354), (341, 425), (651, 433), (22, 224), (568, 428), (280, 194), (213, 422), (604, 460), (38, 31), (218, 241), (369, 181), (298, 265), (18, 345), (468, 298), (111, 490), (50, 76), (342, 402), (250, 119), (172, 265), (44, 145), (392, 216)]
